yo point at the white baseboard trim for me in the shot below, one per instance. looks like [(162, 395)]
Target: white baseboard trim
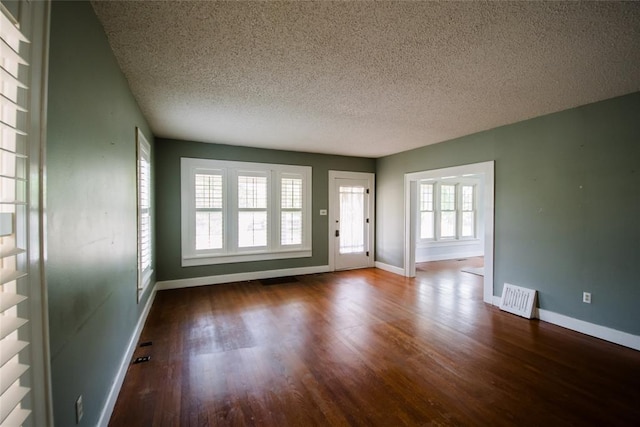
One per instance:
[(390, 268), (107, 410), (604, 333), (598, 331), (238, 277)]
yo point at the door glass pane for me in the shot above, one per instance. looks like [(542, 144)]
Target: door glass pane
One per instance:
[(252, 229), (352, 219)]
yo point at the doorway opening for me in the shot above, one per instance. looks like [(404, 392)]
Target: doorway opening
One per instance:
[(449, 214)]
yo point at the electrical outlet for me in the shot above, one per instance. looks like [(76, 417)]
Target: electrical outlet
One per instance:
[(79, 409), (586, 297)]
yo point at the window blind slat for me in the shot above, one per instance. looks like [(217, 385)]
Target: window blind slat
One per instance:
[(8, 78), (14, 154), (10, 32), (16, 418), (9, 374), (6, 127), (7, 252), (10, 54), (7, 276), (10, 348), (13, 178), (10, 400), (9, 103), (8, 300), (11, 324)]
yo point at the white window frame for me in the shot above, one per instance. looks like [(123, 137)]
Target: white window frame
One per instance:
[(455, 210), (458, 238), (230, 251), (232, 241), (144, 209)]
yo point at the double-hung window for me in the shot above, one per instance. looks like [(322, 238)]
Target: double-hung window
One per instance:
[(468, 208), (447, 210), (427, 214), (253, 218), (238, 211)]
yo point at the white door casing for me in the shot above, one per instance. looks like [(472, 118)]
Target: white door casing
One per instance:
[(351, 220), (410, 198)]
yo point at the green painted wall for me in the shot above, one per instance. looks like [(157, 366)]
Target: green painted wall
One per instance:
[(566, 212), (167, 167), (91, 268)]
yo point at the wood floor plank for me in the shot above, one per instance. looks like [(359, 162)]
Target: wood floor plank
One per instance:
[(369, 348)]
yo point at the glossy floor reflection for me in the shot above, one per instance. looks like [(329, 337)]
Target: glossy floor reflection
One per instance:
[(367, 347)]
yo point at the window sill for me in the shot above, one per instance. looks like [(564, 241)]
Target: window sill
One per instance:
[(227, 259), (144, 283), (441, 243)]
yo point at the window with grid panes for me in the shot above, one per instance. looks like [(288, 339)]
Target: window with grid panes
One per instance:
[(252, 211), (238, 211), (447, 210), (468, 208), (427, 215), (448, 213)]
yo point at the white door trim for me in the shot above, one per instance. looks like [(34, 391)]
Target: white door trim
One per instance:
[(410, 205), (371, 177)]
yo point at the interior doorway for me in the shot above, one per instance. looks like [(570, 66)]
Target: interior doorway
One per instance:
[(485, 171), (351, 202)]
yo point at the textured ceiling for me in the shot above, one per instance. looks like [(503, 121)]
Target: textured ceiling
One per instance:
[(362, 78)]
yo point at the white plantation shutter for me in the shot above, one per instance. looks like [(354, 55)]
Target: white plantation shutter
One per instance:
[(13, 227), (253, 216), (209, 203), (144, 213), (291, 212)]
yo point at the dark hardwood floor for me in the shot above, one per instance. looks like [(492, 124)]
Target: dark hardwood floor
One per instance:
[(369, 348)]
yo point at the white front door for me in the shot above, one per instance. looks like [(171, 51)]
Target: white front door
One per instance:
[(352, 220)]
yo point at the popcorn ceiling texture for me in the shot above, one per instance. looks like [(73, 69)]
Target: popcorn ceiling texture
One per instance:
[(361, 78)]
